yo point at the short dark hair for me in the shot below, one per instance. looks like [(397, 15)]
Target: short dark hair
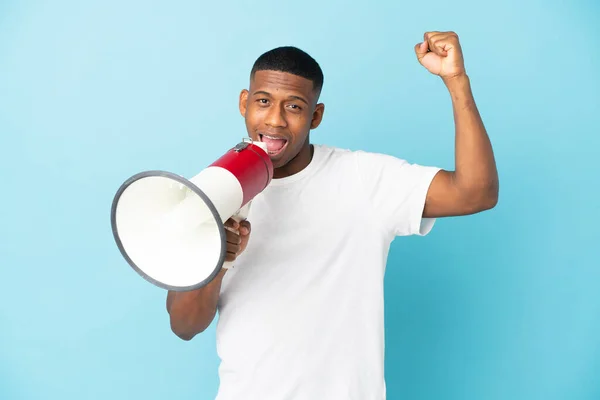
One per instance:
[(292, 60)]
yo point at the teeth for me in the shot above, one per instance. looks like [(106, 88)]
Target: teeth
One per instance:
[(271, 137)]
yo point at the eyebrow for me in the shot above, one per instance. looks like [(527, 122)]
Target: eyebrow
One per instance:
[(293, 97)]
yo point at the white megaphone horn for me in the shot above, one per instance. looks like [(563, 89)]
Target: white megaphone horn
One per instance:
[(171, 230)]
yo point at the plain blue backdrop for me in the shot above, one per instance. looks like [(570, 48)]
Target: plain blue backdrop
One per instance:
[(503, 305)]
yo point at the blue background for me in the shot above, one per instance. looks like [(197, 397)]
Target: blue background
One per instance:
[(500, 305)]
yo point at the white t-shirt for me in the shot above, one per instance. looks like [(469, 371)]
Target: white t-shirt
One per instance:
[(301, 313)]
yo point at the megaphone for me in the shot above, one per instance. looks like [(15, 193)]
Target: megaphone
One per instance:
[(171, 230)]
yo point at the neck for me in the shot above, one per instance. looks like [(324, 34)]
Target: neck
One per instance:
[(296, 164)]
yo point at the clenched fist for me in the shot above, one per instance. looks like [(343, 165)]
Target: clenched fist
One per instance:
[(440, 54), (238, 235)]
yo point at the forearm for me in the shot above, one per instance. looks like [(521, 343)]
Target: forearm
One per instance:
[(192, 312), (475, 172)]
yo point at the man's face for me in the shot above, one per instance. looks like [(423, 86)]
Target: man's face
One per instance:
[(280, 110)]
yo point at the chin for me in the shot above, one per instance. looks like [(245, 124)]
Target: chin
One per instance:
[(279, 160)]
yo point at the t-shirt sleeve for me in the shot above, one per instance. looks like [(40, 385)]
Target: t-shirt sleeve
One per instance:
[(396, 190)]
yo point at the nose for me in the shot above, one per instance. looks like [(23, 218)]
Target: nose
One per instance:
[(275, 117)]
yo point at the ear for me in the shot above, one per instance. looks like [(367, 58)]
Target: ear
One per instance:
[(243, 102), (317, 116)]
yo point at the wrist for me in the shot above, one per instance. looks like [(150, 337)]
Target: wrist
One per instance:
[(459, 87), (457, 82)]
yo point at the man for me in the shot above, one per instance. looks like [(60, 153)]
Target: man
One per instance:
[(301, 314)]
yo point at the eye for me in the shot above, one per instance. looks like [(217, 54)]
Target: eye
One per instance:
[(295, 107), (263, 101)]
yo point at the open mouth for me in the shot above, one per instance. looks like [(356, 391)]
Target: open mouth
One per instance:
[(275, 144)]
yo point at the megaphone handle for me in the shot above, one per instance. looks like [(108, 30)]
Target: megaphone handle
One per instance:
[(239, 216)]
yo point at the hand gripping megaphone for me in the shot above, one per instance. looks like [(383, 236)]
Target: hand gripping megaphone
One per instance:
[(171, 230)]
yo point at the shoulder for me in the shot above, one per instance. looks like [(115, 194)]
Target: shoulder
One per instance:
[(334, 153), (360, 159), (375, 170)]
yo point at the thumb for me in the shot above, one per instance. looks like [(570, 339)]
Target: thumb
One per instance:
[(245, 228), (421, 49)]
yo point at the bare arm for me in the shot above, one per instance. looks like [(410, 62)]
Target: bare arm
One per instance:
[(193, 311), (473, 186)]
